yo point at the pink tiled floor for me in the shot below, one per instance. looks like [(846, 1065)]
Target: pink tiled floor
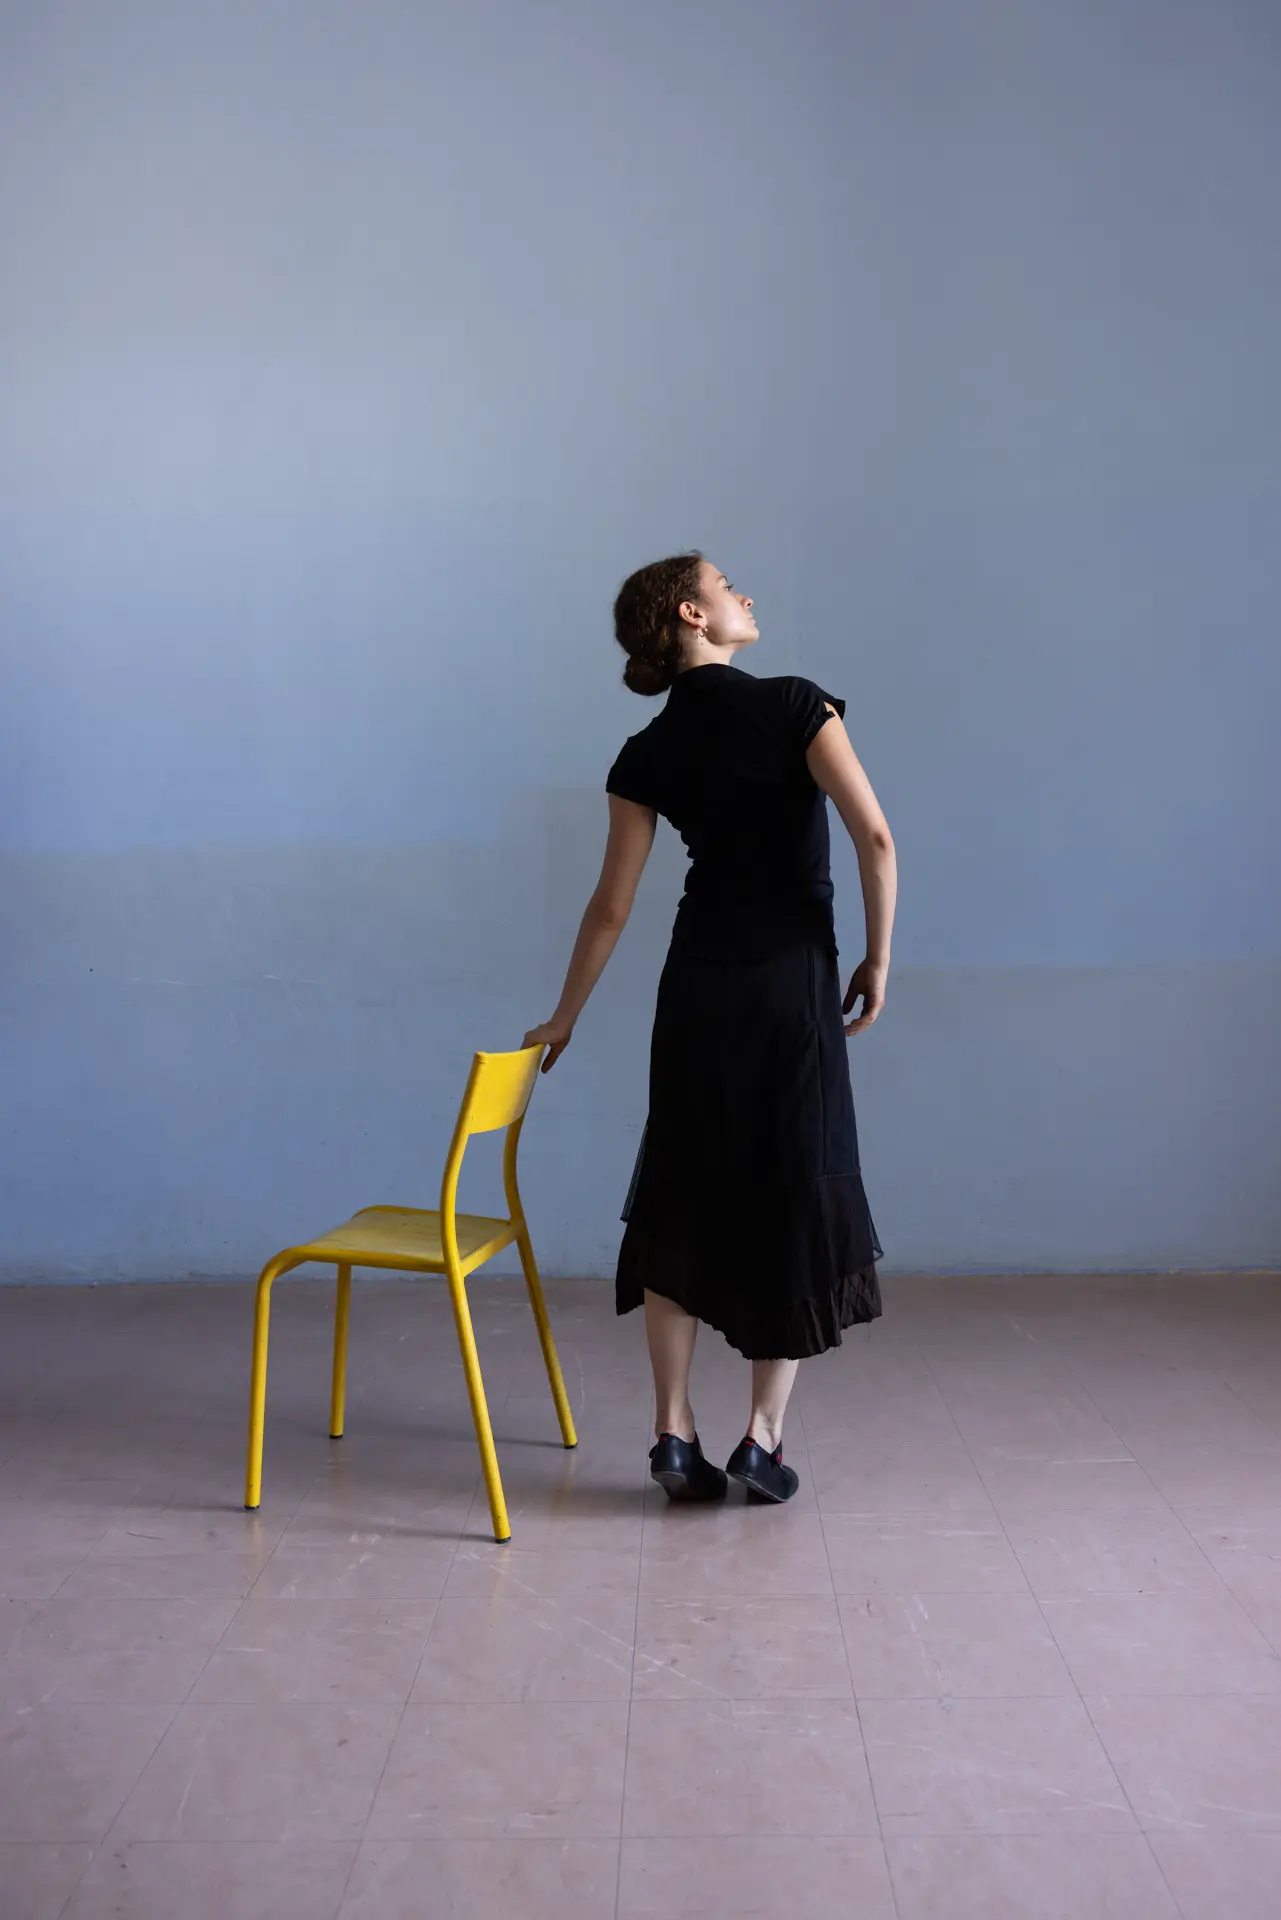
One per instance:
[(1014, 1653)]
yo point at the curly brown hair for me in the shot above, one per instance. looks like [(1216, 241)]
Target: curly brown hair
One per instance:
[(647, 623)]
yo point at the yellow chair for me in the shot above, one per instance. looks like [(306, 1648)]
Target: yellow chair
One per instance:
[(410, 1240)]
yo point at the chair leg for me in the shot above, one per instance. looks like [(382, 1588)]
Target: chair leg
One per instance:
[(258, 1381), (338, 1392), (550, 1359), (479, 1406)]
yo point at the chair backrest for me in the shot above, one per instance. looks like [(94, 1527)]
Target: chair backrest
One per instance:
[(498, 1091)]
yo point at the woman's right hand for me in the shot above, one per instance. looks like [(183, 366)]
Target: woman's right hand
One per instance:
[(867, 983), (555, 1035)]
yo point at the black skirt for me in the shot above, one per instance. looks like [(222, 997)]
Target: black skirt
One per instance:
[(747, 1205)]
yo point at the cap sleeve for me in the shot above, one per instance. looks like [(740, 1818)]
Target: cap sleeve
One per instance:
[(805, 709), (631, 776)]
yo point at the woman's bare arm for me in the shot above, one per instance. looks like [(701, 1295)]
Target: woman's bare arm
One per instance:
[(836, 769), (631, 835)]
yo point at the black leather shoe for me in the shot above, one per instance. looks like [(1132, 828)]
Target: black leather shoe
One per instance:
[(682, 1471), (763, 1474)]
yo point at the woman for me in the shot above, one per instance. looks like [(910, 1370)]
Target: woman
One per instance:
[(747, 1208)]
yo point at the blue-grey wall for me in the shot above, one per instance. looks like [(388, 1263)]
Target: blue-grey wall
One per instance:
[(350, 354)]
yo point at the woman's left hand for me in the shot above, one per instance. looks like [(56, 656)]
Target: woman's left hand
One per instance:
[(555, 1035), (867, 983)]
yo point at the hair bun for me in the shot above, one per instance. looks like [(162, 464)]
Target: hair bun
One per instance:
[(647, 622), (647, 676)]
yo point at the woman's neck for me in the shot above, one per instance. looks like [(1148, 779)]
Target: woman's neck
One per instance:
[(707, 653)]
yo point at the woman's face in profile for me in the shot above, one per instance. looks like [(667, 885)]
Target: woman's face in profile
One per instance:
[(729, 612)]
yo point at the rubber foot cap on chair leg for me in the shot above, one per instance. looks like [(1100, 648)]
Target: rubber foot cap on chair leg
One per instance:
[(335, 1436), (254, 1508)]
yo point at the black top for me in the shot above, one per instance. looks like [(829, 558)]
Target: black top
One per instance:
[(725, 763)]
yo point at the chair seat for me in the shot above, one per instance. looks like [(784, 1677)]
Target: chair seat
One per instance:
[(408, 1238)]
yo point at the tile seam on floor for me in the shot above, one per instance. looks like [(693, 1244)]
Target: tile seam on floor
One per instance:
[(1115, 1771), (631, 1695), (849, 1667), (1147, 1837), (627, 1727), (1222, 1583), (185, 1701), (1173, 1509), (363, 1836), (104, 1838), (1275, 1644)]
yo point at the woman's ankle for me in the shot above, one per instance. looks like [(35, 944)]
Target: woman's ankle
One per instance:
[(676, 1420)]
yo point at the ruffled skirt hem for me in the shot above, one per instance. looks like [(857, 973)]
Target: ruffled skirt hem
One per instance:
[(789, 1330)]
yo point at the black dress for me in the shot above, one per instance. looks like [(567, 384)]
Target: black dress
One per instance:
[(747, 1205)]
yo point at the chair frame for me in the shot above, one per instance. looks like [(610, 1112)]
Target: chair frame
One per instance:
[(517, 1074)]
